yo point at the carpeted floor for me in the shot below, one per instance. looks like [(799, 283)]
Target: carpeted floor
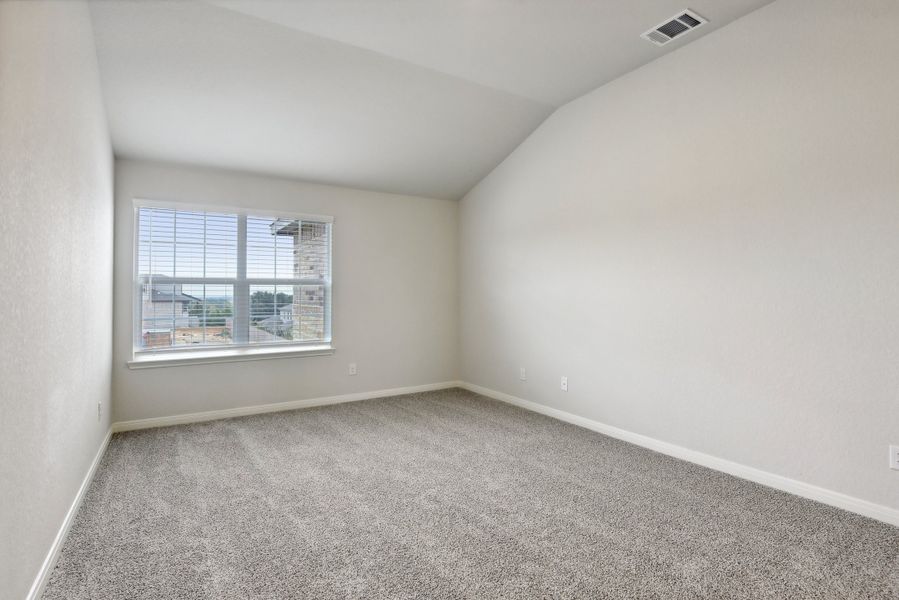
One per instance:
[(446, 495)]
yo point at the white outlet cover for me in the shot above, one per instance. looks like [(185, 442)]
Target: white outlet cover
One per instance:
[(523, 374), (352, 369), (894, 458), (564, 383)]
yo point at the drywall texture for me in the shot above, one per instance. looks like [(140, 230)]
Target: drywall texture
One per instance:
[(394, 306), (708, 248), (55, 275)]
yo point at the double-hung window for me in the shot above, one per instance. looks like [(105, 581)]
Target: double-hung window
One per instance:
[(215, 284)]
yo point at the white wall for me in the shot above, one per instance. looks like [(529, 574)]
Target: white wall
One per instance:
[(394, 307), (708, 248), (55, 275)]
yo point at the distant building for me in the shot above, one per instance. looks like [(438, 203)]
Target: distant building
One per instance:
[(279, 324), (165, 308), (285, 311)]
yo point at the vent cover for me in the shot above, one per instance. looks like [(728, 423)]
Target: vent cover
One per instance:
[(678, 25)]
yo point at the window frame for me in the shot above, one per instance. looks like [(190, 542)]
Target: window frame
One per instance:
[(243, 349)]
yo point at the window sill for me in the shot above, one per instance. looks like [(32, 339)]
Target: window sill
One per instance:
[(203, 357)]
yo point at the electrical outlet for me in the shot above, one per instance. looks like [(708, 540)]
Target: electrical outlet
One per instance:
[(894, 458), (352, 370), (99, 410), (564, 383), (522, 374)]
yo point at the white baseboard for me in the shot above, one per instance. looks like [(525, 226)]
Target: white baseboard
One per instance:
[(792, 486), (43, 575), (228, 413)]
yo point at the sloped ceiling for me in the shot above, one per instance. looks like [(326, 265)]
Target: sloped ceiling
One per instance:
[(420, 97)]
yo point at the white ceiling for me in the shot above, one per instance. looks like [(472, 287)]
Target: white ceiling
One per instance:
[(420, 97)]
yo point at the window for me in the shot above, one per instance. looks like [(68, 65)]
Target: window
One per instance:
[(218, 280)]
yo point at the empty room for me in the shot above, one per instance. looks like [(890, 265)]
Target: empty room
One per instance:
[(449, 299)]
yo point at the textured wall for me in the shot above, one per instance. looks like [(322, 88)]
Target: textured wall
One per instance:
[(394, 294), (708, 248), (55, 275)]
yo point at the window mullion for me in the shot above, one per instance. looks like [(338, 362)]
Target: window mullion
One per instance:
[(241, 323), (286, 282), (203, 305)]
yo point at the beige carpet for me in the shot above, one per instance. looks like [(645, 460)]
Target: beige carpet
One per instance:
[(446, 495)]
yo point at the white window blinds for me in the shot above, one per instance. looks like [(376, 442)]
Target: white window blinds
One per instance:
[(207, 278)]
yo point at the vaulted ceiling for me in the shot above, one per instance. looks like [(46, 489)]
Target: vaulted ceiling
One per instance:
[(420, 97)]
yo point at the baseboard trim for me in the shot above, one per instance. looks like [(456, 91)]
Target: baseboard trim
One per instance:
[(243, 411), (43, 575), (779, 482)]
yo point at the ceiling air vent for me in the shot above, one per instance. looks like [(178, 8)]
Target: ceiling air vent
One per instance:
[(681, 23)]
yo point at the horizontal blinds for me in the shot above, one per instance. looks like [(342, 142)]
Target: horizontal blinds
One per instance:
[(205, 278), (187, 244)]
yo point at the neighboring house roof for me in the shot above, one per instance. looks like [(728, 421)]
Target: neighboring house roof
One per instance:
[(166, 296), (167, 292), (285, 227)]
